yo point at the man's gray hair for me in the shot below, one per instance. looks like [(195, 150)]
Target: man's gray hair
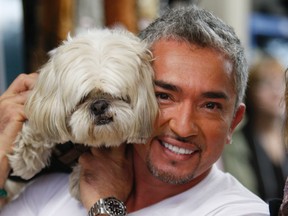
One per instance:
[(200, 27)]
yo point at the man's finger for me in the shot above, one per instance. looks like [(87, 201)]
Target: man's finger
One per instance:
[(22, 83)]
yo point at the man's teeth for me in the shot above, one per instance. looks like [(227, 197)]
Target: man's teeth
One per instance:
[(176, 149)]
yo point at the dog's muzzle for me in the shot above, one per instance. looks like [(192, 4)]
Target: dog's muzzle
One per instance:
[(99, 109)]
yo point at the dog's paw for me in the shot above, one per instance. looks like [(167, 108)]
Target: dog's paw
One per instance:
[(25, 166), (28, 157)]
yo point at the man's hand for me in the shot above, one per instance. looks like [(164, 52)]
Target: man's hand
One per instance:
[(106, 172), (12, 117)]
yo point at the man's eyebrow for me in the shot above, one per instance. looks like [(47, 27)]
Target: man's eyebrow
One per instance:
[(215, 95), (166, 85), (209, 94)]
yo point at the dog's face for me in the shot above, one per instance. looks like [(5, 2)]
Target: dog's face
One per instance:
[(96, 89)]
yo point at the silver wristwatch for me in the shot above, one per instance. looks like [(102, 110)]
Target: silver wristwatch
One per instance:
[(108, 206)]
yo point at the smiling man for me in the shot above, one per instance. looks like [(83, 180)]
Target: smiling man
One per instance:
[(200, 80)]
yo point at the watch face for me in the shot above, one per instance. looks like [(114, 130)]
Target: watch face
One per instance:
[(114, 206)]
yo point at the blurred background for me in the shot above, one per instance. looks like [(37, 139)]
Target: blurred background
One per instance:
[(31, 28), (28, 29)]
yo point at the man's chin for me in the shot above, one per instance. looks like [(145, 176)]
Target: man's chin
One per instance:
[(169, 177)]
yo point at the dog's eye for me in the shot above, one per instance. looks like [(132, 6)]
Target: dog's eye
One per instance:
[(82, 100), (126, 99)]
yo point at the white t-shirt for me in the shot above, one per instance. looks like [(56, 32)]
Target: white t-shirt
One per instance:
[(218, 194)]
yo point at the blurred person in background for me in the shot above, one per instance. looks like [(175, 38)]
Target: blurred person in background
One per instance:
[(284, 206), (257, 155)]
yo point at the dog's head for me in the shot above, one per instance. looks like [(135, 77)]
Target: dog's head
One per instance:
[(97, 88)]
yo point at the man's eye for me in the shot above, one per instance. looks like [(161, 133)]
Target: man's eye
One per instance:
[(162, 96), (212, 105)]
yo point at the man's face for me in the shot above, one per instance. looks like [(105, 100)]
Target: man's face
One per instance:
[(194, 88)]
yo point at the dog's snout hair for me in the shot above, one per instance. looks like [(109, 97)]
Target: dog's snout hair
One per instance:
[(104, 120), (99, 107)]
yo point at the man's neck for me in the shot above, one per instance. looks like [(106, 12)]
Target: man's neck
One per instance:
[(149, 190)]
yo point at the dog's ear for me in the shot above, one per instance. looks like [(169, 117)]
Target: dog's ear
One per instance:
[(145, 107), (45, 109)]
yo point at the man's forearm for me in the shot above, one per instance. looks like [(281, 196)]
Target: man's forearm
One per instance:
[(4, 168)]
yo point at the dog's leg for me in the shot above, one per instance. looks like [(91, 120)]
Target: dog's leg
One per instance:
[(31, 153), (74, 182)]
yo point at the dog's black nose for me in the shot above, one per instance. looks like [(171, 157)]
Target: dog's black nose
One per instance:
[(99, 107)]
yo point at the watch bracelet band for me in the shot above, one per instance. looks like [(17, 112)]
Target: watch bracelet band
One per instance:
[(99, 209), (92, 211)]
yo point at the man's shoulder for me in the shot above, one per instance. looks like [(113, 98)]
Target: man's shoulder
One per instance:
[(224, 184), (226, 194), (218, 194)]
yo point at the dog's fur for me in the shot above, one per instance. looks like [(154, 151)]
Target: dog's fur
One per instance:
[(97, 90)]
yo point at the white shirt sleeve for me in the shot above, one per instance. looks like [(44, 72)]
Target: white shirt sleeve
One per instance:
[(47, 196)]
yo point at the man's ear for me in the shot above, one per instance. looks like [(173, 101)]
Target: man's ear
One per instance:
[(237, 118)]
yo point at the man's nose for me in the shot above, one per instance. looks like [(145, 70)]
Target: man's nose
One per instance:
[(184, 122)]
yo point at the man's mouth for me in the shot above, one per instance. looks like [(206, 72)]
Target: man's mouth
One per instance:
[(177, 150)]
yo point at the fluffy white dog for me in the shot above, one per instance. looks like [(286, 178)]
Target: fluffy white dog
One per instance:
[(96, 90)]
